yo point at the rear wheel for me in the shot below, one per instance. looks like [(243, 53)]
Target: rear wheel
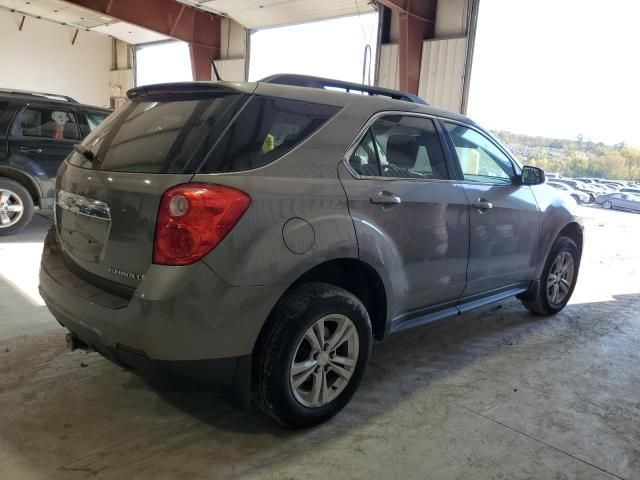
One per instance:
[(558, 280), (606, 204), (310, 361), (16, 207)]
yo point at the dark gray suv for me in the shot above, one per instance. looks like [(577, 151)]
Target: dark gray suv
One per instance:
[(261, 235)]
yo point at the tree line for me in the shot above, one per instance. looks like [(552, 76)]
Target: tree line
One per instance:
[(575, 158)]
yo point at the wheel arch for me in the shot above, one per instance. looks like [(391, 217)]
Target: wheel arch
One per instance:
[(574, 231), (356, 277), (25, 180)]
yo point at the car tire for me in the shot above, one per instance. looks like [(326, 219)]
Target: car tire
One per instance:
[(317, 392), (553, 278), (606, 204), (576, 198), (14, 196)]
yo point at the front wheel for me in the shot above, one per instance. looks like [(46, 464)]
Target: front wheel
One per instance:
[(606, 204), (311, 358), (558, 280)]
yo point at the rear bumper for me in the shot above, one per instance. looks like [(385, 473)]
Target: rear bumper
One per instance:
[(222, 372), (177, 314)]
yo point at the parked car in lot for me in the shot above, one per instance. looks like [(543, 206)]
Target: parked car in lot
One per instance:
[(577, 195), (620, 201), (579, 186), (37, 131), (261, 235)]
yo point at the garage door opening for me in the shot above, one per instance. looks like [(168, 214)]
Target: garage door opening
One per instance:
[(152, 61), (332, 48)]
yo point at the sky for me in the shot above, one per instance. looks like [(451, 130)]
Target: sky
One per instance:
[(328, 48), (558, 68), (152, 61)]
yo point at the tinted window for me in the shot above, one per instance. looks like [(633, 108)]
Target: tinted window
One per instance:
[(266, 129), (49, 123), (480, 159), (163, 136), (409, 147), (364, 159)]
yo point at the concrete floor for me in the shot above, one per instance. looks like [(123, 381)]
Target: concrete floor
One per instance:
[(496, 394)]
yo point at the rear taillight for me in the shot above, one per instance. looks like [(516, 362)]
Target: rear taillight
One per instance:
[(193, 219)]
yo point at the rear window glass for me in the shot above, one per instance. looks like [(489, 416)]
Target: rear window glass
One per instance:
[(200, 135), (266, 129), (158, 136)]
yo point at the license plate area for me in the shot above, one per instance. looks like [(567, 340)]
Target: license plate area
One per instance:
[(83, 225)]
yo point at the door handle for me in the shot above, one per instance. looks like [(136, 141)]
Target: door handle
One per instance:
[(31, 149), (482, 204), (386, 198)]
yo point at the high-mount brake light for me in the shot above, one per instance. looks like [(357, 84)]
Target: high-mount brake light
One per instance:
[(193, 219)]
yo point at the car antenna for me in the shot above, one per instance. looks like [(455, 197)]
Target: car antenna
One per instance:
[(215, 70)]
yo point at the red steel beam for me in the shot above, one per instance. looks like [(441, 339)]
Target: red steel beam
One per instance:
[(417, 21), (201, 30)]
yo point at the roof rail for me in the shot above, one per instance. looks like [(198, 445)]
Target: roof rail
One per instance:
[(323, 83), (38, 94)]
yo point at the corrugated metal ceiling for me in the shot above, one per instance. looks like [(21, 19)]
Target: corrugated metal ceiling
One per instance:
[(249, 13), (270, 13), (78, 17)]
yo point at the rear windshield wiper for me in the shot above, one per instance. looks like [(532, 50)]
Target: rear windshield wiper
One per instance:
[(85, 152)]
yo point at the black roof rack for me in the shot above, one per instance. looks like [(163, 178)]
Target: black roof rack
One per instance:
[(38, 94), (319, 82)]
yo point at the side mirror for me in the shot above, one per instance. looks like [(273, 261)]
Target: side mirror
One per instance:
[(532, 176)]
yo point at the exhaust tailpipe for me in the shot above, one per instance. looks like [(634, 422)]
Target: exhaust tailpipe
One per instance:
[(74, 343)]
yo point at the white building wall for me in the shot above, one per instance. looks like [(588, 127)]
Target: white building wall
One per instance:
[(388, 66), (442, 73), (233, 38), (41, 58)]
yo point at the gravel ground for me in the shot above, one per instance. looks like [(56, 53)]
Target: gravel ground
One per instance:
[(497, 393)]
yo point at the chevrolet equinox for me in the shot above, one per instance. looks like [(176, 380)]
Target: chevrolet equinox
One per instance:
[(261, 235)]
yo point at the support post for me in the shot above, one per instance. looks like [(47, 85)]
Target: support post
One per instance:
[(200, 29)]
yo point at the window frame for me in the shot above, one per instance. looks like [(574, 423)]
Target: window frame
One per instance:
[(449, 160), (517, 168), (16, 131)]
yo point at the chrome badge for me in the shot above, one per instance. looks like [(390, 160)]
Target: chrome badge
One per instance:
[(83, 205), (125, 274)]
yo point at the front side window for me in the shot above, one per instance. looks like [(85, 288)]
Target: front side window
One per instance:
[(480, 159), (266, 129), (404, 146), (48, 123)]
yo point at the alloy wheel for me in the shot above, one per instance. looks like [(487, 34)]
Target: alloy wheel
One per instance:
[(324, 360), (560, 278), (11, 208)]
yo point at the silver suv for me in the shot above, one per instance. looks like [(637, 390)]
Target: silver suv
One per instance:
[(261, 235)]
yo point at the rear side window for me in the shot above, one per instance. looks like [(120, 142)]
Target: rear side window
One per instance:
[(48, 123), (266, 129), (158, 136), (406, 146), (92, 121)]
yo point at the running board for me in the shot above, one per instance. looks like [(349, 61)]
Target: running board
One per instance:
[(404, 323)]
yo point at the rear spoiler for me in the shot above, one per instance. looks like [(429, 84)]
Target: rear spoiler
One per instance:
[(182, 88)]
